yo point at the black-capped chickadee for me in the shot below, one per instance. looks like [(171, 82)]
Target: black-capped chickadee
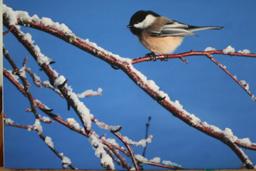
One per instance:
[(159, 34)]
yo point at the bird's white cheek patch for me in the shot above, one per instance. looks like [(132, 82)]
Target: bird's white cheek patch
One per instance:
[(146, 22)]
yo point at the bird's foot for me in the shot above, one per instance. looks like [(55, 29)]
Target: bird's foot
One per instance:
[(152, 55)]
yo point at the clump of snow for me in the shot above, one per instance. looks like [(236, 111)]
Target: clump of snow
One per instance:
[(46, 119), (13, 75), (253, 97), (60, 26), (30, 128), (22, 72), (42, 59), (106, 126), (35, 18), (244, 84), (115, 128), (244, 51), (13, 16), (22, 15), (222, 66), (72, 122), (38, 126), (111, 141), (8, 121), (28, 37), (90, 92), (177, 104), (59, 81), (83, 111), (246, 141), (167, 162), (229, 49), (8, 12), (142, 142), (101, 124), (36, 79), (65, 161), (141, 158), (153, 85), (229, 134), (155, 160), (46, 21), (49, 142), (209, 49), (100, 152), (194, 119), (47, 83), (39, 102), (143, 81), (215, 128), (85, 114), (99, 50)]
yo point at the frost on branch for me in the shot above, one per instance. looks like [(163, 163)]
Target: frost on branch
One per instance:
[(24, 16), (155, 160), (142, 142), (83, 111), (167, 162), (245, 84), (229, 134), (244, 51), (8, 121), (90, 92), (73, 123), (65, 160), (49, 142), (209, 49), (38, 127), (246, 141), (105, 159), (229, 49)]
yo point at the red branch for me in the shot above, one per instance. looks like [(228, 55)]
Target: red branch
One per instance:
[(135, 163), (221, 66), (190, 54)]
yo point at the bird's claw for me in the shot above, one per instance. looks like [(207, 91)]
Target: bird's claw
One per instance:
[(152, 55)]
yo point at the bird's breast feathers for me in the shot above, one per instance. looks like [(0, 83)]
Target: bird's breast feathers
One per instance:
[(161, 45)]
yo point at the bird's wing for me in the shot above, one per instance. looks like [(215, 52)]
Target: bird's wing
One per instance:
[(172, 28)]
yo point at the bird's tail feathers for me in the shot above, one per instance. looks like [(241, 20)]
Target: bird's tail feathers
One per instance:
[(199, 28)]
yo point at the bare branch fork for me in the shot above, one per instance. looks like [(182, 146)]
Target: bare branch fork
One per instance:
[(11, 18)]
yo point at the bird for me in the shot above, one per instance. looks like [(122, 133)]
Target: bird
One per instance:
[(159, 34)]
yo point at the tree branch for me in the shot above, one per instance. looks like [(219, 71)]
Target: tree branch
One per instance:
[(126, 65)]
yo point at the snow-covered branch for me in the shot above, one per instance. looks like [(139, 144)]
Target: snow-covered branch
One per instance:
[(72, 124), (48, 140), (12, 18)]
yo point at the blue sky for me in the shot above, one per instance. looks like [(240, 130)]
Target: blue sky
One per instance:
[(200, 86)]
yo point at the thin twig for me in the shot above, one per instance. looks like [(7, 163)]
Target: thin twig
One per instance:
[(135, 163), (146, 136), (232, 76)]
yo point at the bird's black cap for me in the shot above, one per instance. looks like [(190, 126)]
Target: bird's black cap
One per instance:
[(138, 17)]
